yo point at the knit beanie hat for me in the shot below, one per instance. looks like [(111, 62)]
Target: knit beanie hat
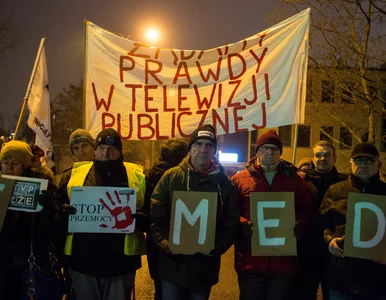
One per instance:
[(270, 137), (80, 136), (364, 150), (207, 131), (304, 161), (109, 136), (19, 150)]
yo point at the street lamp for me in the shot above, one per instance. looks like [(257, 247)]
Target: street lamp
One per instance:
[(151, 35)]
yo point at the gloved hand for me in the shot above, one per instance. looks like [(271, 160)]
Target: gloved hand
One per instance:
[(246, 229), (66, 209), (46, 200), (142, 221)]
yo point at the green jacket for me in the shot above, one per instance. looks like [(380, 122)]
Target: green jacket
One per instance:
[(192, 271)]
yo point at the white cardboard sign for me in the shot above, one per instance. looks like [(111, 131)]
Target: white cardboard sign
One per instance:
[(102, 209)]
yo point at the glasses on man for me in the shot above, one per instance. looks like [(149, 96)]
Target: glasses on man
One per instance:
[(368, 161), (265, 148)]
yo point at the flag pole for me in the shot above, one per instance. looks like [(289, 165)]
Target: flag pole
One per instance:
[(29, 87), (84, 73), (295, 144)]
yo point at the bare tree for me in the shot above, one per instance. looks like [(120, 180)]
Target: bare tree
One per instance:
[(67, 111), (347, 39), (8, 33)]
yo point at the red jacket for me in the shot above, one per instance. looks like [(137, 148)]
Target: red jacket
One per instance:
[(252, 179)]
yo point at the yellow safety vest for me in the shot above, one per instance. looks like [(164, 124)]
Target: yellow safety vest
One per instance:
[(134, 242)]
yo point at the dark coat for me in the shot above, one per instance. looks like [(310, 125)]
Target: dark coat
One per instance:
[(312, 246), (252, 179), (348, 274), (188, 270), (15, 238)]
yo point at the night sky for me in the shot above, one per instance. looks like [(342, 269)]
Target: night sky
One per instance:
[(183, 24)]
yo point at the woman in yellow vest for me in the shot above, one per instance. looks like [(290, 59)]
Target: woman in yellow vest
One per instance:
[(103, 265)]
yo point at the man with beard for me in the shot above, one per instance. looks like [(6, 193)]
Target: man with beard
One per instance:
[(311, 252), (348, 277)]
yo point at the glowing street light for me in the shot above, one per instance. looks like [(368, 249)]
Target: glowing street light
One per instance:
[(152, 34)]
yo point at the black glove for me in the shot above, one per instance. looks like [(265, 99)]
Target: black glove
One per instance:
[(66, 209), (142, 222), (46, 200)]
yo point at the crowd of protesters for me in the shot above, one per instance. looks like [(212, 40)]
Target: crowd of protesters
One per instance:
[(103, 266)]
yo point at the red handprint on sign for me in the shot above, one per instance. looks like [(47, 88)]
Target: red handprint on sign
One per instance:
[(117, 210)]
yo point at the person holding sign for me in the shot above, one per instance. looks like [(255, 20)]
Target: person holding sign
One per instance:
[(192, 276), (103, 265), (352, 278), (268, 277), (17, 159)]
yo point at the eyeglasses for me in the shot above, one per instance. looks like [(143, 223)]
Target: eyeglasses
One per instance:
[(368, 161), (109, 140), (303, 170), (268, 148)]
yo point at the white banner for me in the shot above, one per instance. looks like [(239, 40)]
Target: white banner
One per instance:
[(102, 209), (146, 92), (38, 96)]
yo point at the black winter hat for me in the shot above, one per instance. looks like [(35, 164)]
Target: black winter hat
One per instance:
[(207, 131), (109, 136), (270, 137), (364, 150)]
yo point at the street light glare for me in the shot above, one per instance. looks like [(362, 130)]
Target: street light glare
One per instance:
[(152, 34)]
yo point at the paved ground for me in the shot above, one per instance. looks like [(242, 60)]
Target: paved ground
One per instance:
[(226, 289)]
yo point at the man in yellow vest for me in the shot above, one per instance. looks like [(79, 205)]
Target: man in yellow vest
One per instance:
[(103, 265)]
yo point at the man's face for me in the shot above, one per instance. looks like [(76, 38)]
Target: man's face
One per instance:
[(202, 153), (268, 154), (365, 167), (107, 152), (11, 166), (83, 151), (323, 159)]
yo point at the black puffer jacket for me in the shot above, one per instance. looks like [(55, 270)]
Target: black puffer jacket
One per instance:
[(187, 270), (351, 275)]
